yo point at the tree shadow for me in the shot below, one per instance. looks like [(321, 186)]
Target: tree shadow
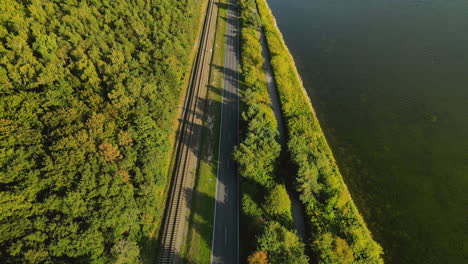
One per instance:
[(194, 131), (192, 137), (200, 218), (196, 122), (230, 76), (223, 6)]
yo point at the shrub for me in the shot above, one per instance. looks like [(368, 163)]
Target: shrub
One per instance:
[(282, 245), (277, 201)]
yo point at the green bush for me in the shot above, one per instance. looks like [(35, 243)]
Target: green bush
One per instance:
[(257, 153), (249, 199), (328, 205), (282, 245), (277, 201)]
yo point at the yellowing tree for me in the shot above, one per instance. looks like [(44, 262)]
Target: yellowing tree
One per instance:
[(258, 257), (110, 152)]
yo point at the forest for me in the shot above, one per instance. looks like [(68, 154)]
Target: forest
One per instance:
[(88, 95), (269, 235), (337, 232)]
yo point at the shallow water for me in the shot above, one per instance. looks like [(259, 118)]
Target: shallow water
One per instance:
[(389, 81)]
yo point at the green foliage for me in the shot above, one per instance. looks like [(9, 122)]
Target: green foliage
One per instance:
[(333, 250), (343, 251), (259, 150), (88, 91), (125, 252), (277, 201), (282, 245), (257, 156), (338, 231), (257, 153), (250, 206)]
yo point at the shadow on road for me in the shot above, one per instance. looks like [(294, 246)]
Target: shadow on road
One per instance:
[(202, 216), (203, 133)]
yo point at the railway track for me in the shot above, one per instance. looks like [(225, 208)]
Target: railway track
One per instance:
[(187, 144)]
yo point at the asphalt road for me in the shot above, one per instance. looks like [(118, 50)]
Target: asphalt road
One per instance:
[(225, 246)]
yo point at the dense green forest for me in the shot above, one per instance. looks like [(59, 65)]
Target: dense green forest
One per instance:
[(338, 233), (88, 96), (269, 234)]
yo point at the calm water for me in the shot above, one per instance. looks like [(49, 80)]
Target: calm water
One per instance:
[(389, 80)]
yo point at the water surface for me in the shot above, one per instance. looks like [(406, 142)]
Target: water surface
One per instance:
[(389, 81)]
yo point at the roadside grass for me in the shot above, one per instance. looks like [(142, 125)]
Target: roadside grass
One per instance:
[(197, 248)]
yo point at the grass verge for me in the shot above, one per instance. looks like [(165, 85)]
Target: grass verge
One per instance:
[(197, 248)]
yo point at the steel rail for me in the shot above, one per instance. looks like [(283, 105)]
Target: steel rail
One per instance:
[(170, 229)]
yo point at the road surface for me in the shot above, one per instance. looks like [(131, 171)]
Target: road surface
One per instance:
[(225, 246)]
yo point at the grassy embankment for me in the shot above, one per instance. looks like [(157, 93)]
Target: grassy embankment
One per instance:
[(269, 231), (199, 236), (338, 232)]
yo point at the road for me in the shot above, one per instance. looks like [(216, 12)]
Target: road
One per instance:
[(225, 244)]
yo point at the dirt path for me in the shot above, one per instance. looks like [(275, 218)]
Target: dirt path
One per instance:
[(296, 205)]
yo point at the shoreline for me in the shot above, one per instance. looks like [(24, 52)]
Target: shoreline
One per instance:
[(306, 95), (295, 114)]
